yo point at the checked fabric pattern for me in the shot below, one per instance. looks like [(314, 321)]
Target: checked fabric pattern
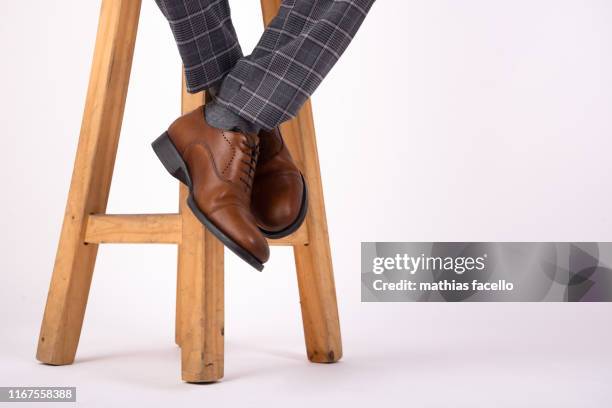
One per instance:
[(294, 54)]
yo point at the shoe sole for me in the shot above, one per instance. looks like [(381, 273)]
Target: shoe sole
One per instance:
[(167, 153), (295, 224)]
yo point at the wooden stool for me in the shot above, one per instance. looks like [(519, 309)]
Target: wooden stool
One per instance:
[(199, 297)]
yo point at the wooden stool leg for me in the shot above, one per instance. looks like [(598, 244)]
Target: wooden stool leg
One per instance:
[(200, 296), (313, 261), (91, 178)]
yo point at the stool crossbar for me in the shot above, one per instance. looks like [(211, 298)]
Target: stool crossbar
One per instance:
[(200, 270)]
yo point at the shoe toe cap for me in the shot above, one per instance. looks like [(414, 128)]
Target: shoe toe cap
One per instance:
[(239, 225)]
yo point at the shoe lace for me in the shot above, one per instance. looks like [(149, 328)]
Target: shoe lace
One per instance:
[(252, 151)]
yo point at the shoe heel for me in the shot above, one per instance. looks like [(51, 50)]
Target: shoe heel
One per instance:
[(171, 159)]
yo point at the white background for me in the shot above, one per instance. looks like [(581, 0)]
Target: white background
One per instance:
[(472, 120)]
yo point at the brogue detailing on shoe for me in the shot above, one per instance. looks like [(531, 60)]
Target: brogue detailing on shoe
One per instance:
[(229, 142), (231, 160), (229, 163)]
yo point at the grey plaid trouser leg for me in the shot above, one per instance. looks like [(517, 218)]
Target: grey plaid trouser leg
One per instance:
[(295, 52)]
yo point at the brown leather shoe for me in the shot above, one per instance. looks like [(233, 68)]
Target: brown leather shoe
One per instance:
[(218, 166), (279, 201)]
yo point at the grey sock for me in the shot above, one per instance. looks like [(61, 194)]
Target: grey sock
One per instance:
[(213, 91), (220, 117)]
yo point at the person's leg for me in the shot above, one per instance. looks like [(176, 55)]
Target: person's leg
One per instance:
[(216, 165), (216, 154), (295, 53)]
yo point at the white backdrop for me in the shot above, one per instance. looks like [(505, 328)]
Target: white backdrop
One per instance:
[(476, 120)]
